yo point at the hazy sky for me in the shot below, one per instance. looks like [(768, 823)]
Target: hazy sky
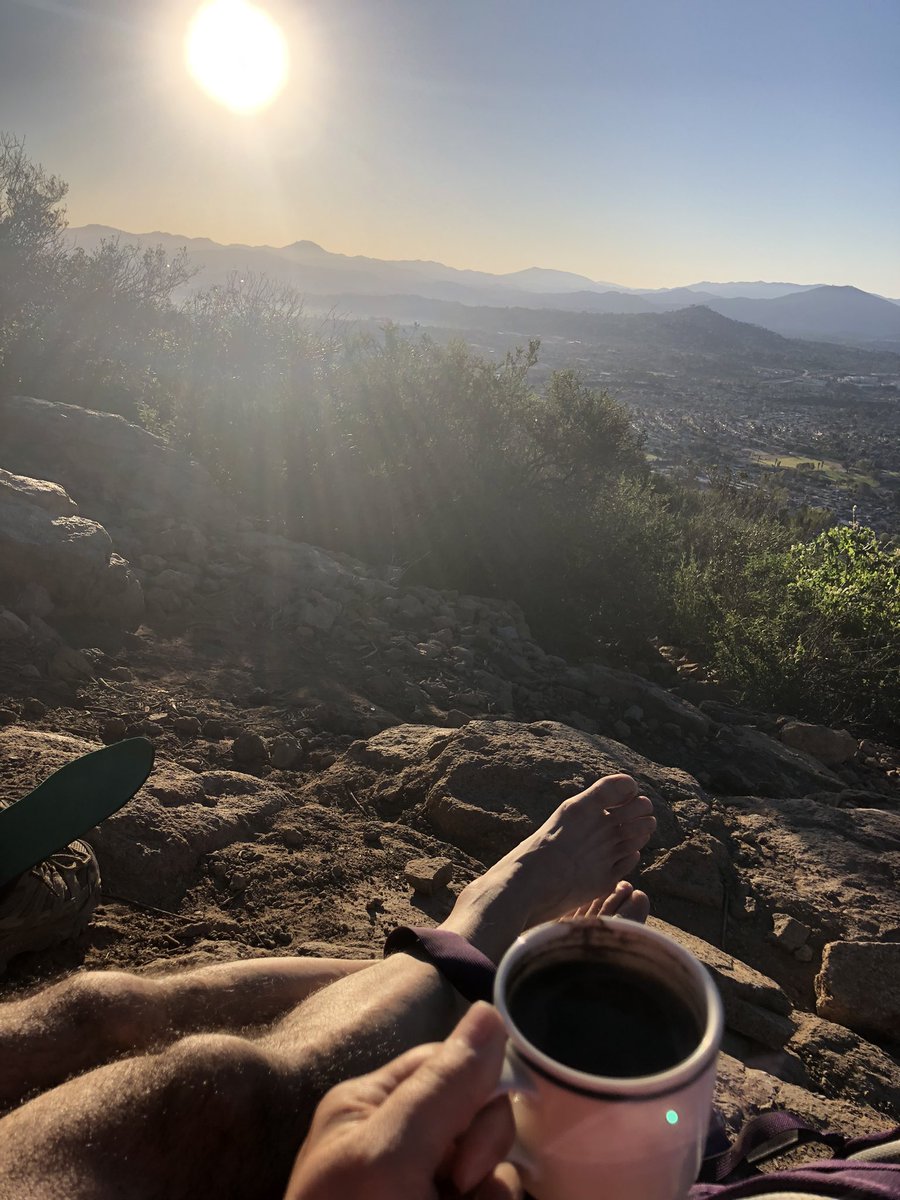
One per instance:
[(644, 142)]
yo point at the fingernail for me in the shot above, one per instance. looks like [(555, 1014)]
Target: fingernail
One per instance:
[(480, 1026)]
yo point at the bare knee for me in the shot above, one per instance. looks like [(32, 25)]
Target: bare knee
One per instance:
[(114, 1009), (230, 1076)]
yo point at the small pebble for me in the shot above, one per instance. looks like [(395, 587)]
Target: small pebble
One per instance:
[(249, 748), (428, 875), (112, 730)]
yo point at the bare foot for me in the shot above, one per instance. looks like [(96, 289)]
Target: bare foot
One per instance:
[(578, 854), (624, 901)]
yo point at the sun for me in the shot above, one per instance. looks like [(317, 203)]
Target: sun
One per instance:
[(237, 54)]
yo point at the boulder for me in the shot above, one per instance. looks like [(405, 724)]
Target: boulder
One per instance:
[(118, 597), (858, 987), (835, 870), (743, 1092), (789, 933), (181, 541), (63, 554), (698, 870), (50, 497), (150, 852), (485, 786), (771, 768), (249, 748), (841, 1062), (306, 567), (830, 746), (285, 752), (70, 664), (69, 561), (12, 626), (755, 1006), (111, 465)]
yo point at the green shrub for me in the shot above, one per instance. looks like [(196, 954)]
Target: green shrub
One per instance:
[(843, 615), (812, 628)]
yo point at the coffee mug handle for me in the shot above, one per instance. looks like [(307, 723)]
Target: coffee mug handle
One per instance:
[(515, 1079)]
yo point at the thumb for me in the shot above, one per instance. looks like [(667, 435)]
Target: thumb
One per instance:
[(438, 1101)]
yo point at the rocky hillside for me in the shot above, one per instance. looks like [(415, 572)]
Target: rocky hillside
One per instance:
[(338, 753)]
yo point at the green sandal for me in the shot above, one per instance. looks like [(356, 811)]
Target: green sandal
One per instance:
[(73, 800), (49, 878)]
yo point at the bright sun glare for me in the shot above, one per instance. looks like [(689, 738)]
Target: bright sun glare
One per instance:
[(237, 54)]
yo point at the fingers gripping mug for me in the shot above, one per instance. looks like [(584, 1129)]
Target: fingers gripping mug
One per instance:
[(613, 1035)]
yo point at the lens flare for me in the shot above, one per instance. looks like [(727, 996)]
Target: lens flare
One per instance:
[(237, 54)]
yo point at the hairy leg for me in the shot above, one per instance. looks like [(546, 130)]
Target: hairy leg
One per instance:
[(97, 1017), (215, 1115)]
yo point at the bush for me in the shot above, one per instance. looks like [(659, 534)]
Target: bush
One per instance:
[(31, 224), (843, 615), (246, 380), (453, 468), (92, 329), (812, 628)]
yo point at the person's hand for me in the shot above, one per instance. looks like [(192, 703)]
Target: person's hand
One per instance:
[(421, 1127)]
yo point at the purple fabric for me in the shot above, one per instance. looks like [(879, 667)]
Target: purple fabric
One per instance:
[(842, 1180), (781, 1129), (872, 1139), (471, 972), (830, 1177)]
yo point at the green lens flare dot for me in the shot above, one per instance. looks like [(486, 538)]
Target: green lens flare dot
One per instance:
[(672, 1116)]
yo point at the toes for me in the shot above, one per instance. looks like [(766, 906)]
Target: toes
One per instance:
[(626, 863), (635, 908), (636, 809), (634, 835), (596, 908), (611, 791), (615, 900), (625, 902)]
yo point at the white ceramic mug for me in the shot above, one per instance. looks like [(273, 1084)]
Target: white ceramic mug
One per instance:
[(581, 1136)]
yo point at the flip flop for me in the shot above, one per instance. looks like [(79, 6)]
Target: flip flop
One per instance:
[(73, 800)]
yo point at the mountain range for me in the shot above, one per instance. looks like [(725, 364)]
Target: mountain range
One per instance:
[(819, 312)]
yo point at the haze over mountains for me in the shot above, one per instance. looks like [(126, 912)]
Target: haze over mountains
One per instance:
[(354, 284)]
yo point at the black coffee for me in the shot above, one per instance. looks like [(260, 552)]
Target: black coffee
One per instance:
[(603, 1019)]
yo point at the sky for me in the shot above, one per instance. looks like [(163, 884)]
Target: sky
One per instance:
[(649, 143)]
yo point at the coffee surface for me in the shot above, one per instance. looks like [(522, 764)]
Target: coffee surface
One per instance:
[(603, 1019)]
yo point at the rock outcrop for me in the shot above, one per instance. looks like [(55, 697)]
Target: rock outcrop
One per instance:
[(830, 746), (857, 987), (56, 560), (338, 753), (116, 468)]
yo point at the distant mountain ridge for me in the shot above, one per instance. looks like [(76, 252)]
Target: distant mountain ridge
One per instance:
[(837, 312), (809, 311), (695, 333)]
